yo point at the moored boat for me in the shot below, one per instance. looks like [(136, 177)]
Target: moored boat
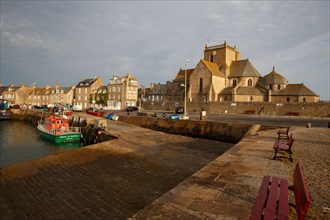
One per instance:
[(57, 129), (5, 115)]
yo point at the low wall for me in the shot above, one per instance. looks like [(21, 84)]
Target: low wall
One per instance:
[(226, 132), (320, 109)]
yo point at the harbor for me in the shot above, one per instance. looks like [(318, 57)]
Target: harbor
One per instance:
[(147, 174)]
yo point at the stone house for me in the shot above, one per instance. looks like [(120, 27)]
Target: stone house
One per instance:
[(16, 94), (83, 90), (123, 92)]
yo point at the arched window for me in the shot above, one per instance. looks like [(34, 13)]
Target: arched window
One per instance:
[(200, 85), (211, 58), (250, 82), (278, 87), (234, 82), (304, 99)]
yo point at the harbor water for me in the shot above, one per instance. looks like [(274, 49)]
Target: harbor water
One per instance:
[(20, 141)]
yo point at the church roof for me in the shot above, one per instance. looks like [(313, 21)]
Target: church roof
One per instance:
[(180, 75), (226, 91), (213, 68), (273, 78), (295, 90), (248, 90), (241, 68)]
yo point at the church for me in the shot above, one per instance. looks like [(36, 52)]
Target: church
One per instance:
[(223, 76)]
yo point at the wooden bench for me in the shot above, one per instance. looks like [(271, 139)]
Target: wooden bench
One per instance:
[(272, 200), (284, 146), (283, 133)]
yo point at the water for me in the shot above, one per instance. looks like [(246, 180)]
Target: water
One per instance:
[(20, 141)]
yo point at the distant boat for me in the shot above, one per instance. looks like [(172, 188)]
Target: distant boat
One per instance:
[(5, 115), (56, 129)]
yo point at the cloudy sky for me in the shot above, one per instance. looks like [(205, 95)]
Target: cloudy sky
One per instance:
[(50, 42)]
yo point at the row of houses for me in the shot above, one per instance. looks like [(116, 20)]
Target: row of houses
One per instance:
[(120, 92), (221, 76)]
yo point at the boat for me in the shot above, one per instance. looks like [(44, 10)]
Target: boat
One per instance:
[(56, 129), (5, 115)]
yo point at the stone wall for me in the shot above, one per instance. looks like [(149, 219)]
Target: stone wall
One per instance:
[(226, 132), (320, 109)]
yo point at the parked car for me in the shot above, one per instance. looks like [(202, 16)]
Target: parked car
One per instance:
[(179, 110), (132, 108)]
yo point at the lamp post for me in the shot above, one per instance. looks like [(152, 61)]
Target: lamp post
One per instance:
[(185, 89)]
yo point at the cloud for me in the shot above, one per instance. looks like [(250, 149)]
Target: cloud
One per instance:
[(64, 41)]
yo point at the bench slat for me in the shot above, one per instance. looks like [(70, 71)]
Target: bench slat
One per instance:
[(302, 197), (261, 199), (283, 208), (270, 211)]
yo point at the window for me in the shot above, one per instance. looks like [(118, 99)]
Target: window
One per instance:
[(304, 99), (250, 82), (79, 90), (85, 98), (114, 89), (225, 98), (271, 87), (200, 85), (211, 58), (79, 98), (234, 83), (85, 90), (278, 87), (251, 98), (118, 89), (288, 99)]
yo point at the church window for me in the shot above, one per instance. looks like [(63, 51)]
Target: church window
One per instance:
[(271, 87), (304, 99), (278, 87), (234, 83), (200, 85), (288, 99), (251, 98), (211, 58), (250, 82)]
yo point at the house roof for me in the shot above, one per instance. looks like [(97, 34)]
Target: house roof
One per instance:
[(181, 73), (248, 90), (213, 68), (295, 90), (85, 83), (158, 89), (241, 68), (273, 78)]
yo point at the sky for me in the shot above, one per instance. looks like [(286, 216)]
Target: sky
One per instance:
[(49, 42)]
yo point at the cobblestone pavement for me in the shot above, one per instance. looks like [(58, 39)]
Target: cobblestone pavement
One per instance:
[(111, 180)]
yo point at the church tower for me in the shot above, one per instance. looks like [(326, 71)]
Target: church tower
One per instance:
[(223, 55)]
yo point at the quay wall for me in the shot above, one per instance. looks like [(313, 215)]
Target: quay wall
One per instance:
[(320, 109), (225, 132)]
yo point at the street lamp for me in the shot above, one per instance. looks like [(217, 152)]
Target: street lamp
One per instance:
[(185, 89)]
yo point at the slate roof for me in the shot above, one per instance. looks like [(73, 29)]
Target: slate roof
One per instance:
[(213, 68), (85, 83), (241, 68), (273, 78), (295, 90)]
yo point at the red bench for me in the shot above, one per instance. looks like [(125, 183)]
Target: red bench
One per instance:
[(283, 133), (250, 111), (282, 145), (272, 200)]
